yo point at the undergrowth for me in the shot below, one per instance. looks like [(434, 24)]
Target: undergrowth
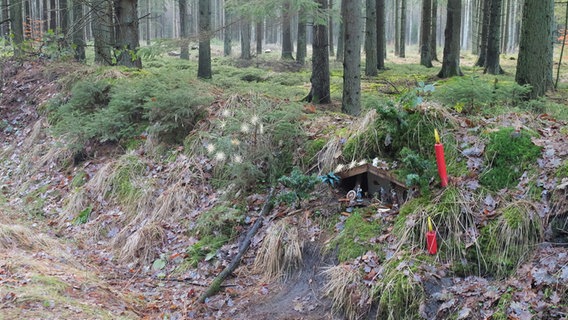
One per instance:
[(509, 153), (354, 240)]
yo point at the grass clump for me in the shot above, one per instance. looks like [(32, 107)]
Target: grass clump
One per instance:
[(509, 153), (348, 294), (509, 240), (353, 240), (280, 251), (205, 249), (400, 294)]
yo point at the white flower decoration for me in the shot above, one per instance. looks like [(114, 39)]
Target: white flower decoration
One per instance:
[(220, 156)]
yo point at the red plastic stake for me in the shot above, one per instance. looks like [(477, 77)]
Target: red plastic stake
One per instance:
[(440, 160), (431, 243)]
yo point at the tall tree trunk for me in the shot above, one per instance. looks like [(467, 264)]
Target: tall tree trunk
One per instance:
[(228, 34), (402, 50), (126, 31), (434, 32), (320, 91), (301, 50), (53, 15), (351, 102), (44, 16), (371, 39), (183, 30), (381, 38), (204, 61), (397, 28), (330, 32), (534, 66), (148, 25), (259, 30), (17, 27), (425, 33), (477, 14), (27, 19), (492, 65), (78, 28), (4, 27), (451, 60), (486, 9), (341, 35), (64, 16), (505, 25), (287, 47), (245, 38), (102, 32)]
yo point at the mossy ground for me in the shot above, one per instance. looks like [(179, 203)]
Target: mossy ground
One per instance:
[(353, 240)]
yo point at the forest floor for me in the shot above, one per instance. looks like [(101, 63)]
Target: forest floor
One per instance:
[(50, 269)]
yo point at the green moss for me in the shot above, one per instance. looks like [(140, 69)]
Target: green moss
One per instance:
[(312, 148), (353, 240), (509, 153)]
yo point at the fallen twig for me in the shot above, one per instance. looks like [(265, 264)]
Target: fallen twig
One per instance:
[(215, 285)]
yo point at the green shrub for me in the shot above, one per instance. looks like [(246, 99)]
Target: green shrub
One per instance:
[(469, 94), (299, 185), (508, 154), (166, 104)]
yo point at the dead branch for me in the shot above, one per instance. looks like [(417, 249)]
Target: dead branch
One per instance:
[(215, 285)]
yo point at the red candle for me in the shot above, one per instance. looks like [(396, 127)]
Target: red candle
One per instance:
[(431, 243), (440, 160)]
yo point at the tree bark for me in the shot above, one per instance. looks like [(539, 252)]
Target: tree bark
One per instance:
[(287, 47), (402, 50), (434, 32), (381, 38), (351, 102), (320, 91), (245, 39), (397, 28), (204, 61), (486, 13), (534, 66), (126, 29), (17, 27), (102, 34), (78, 35), (371, 39), (330, 32), (259, 30), (492, 65), (228, 34), (425, 33), (301, 50), (183, 30), (451, 60), (341, 35), (4, 27)]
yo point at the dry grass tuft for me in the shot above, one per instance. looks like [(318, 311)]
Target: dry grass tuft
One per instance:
[(140, 245), (22, 237), (281, 250), (346, 291), (34, 135)]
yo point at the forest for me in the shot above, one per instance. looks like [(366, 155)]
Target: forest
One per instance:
[(283, 159)]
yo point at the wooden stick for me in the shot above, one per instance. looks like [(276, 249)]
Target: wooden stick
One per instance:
[(215, 285)]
